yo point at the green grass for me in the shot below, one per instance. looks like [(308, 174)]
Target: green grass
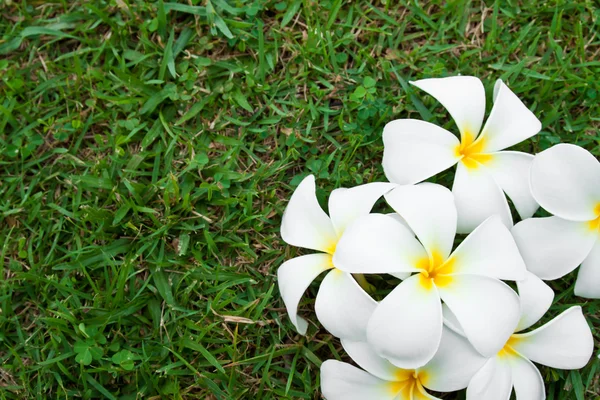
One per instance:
[(147, 150)]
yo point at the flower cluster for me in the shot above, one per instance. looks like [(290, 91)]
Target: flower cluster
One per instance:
[(452, 322)]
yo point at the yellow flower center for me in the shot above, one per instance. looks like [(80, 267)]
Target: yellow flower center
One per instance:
[(409, 384), (331, 247), (508, 349), (472, 151), (594, 224), (434, 269)]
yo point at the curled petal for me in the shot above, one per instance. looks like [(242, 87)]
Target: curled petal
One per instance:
[(536, 298), (346, 205), (304, 222), (510, 121), (566, 342), (364, 355), (430, 212), (478, 197), (451, 321), (343, 307), (493, 382), (341, 381), (462, 96), (510, 170), (487, 309), (406, 326), (552, 247), (376, 244), (490, 250), (294, 276), (454, 364), (528, 382), (588, 278), (565, 180), (415, 150)]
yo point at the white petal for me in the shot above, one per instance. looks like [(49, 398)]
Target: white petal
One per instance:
[(478, 197), (588, 278), (565, 180), (406, 326), (490, 250), (341, 381), (369, 360), (510, 121), (566, 342), (462, 96), (536, 298), (376, 244), (294, 276), (304, 222), (510, 170), (430, 212), (527, 380), (451, 321), (345, 205), (398, 218), (454, 364), (415, 150), (419, 393), (488, 310), (343, 307), (552, 247), (492, 382)]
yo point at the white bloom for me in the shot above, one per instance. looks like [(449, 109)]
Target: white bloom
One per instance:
[(415, 150), (450, 370), (341, 305), (565, 180), (566, 342), (406, 326)]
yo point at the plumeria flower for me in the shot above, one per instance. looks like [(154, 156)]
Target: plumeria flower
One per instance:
[(415, 150), (451, 369), (406, 327), (342, 306), (566, 342), (565, 180)]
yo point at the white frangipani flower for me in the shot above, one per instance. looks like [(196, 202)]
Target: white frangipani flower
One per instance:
[(565, 180), (566, 342), (451, 369), (415, 150), (342, 306), (406, 326)]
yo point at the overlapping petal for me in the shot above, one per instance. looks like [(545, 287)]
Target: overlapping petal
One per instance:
[(477, 197), (377, 243), (364, 355), (343, 307), (454, 364), (493, 382), (346, 205), (527, 379), (406, 326), (490, 250), (294, 276), (552, 247), (510, 121), (415, 150), (430, 212), (487, 309), (304, 222), (588, 277), (536, 298), (462, 96), (510, 170), (341, 381), (565, 180), (566, 342)]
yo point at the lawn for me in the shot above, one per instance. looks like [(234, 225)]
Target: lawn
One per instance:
[(148, 149)]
